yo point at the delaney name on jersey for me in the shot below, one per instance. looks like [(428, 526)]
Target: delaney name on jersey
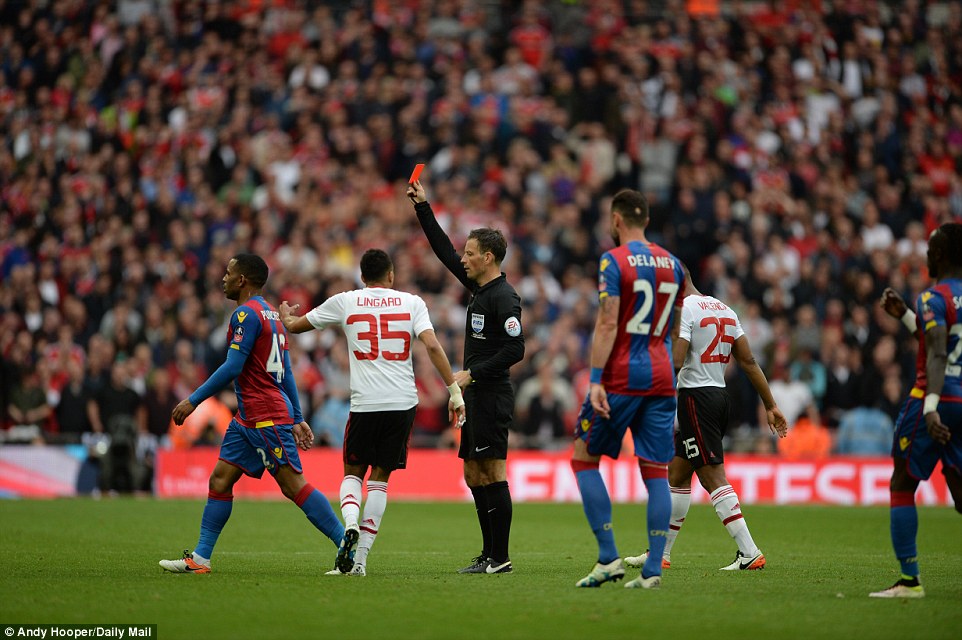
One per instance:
[(643, 260)]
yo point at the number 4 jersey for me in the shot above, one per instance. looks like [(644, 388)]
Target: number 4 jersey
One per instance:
[(650, 282), (257, 333), (379, 324), (711, 329)]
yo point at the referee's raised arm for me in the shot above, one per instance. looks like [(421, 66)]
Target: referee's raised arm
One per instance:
[(440, 243)]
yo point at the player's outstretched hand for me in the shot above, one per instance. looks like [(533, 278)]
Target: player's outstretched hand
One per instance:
[(416, 192), (599, 401), (777, 422), (287, 311), (303, 436), (181, 411), (893, 303)]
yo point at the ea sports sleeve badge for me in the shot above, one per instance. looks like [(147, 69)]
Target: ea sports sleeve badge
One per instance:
[(512, 327)]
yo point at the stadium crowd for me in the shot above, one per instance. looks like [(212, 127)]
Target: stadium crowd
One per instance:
[(795, 155)]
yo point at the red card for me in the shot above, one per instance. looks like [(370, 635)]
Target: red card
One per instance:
[(418, 168)]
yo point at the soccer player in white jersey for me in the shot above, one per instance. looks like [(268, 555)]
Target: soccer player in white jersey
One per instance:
[(379, 323), (709, 335)]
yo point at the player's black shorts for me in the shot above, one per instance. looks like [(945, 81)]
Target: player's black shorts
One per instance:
[(378, 438), (702, 422), (490, 412)]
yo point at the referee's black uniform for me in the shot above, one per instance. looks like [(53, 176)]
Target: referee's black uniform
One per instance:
[(493, 341)]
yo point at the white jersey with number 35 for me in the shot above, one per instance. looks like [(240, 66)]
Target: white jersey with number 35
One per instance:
[(379, 324), (711, 328)]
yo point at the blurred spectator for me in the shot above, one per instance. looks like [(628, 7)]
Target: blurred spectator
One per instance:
[(542, 405), (864, 432), (28, 409), (807, 369), (71, 409), (159, 403), (809, 439), (116, 411)]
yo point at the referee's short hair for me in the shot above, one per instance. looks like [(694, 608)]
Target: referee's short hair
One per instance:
[(375, 265), (492, 240)]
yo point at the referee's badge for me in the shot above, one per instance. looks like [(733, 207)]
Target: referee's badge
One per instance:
[(512, 326), (477, 322)]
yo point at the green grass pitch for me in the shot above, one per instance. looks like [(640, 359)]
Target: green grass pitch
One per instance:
[(83, 561)]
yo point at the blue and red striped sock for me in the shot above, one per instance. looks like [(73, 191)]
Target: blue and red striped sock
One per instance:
[(597, 506), (904, 526), (318, 510), (659, 516), (216, 513)]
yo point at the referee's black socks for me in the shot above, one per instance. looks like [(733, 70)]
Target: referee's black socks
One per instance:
[(499, 512), (484, 518)]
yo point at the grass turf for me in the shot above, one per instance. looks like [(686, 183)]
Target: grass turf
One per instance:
[(83, 561)]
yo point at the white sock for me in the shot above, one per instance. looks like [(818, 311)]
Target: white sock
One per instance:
[(373, 512), (725, 501), (199, 559), (680, 502), (350, 499)]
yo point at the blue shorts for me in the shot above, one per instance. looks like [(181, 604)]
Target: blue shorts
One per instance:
[(253, 450), (650, 418), (914, 444)]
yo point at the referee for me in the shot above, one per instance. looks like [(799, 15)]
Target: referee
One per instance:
[(493, 341)]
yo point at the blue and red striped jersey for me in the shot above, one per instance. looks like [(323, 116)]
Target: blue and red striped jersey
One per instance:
[(257, 332), (650, 283), (940, 306)]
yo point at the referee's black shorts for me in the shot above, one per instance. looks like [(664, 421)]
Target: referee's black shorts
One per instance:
[(490, 414), (702, 422)]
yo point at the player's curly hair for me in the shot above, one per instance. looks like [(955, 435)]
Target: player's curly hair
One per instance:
[(952, 243), (375, 265), (253, 268), (633, 207), (490, 240)]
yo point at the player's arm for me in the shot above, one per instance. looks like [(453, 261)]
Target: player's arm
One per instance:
[(681, 337), (289, 384), (440, 361), (679, 351), (603, 341), (439, 241), (293, 323), (895, 306), (303, 435), (230, 369), (746, 360), (936, 358)]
